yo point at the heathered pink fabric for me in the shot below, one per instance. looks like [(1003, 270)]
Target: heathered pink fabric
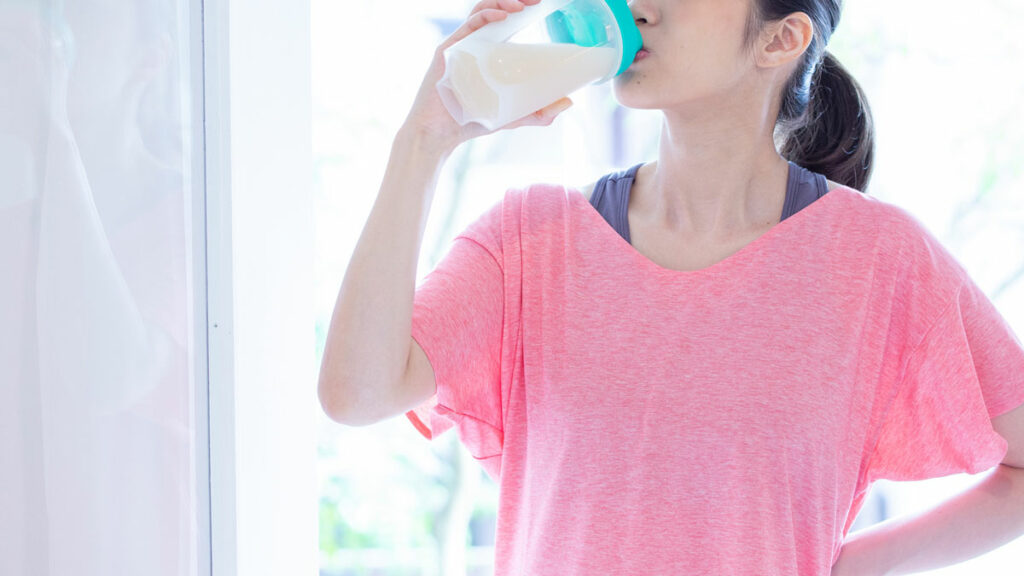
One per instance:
[(729, 420)]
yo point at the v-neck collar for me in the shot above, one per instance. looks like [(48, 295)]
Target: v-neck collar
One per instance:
[(743, 254)]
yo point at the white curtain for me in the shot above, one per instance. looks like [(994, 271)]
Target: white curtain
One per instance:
[(97, 430)]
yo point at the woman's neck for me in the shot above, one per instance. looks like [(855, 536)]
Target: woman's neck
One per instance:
[(713, 180)]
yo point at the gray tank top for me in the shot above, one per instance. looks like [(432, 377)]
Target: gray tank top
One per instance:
[(611, 194)]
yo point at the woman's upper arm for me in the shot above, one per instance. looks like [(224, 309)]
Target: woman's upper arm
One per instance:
[(1011, 426), (418, 384)]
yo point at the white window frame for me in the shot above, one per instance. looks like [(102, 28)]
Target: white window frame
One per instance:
[(252, 114)]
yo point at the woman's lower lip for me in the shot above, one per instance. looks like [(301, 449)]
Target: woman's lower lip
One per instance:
[(640, 55)]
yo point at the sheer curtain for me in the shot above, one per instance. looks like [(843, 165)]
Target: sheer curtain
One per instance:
[(97, 397)]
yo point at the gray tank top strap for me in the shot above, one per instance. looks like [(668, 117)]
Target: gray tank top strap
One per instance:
[(611, 198), (611, 194), (803, 188)]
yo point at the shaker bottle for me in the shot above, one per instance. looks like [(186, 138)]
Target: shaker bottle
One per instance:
[(513, 67)]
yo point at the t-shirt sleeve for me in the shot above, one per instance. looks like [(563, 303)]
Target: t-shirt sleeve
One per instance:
[(967, 368), (459, 319)]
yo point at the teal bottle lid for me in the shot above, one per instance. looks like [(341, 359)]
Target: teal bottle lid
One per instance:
[(583, 24)]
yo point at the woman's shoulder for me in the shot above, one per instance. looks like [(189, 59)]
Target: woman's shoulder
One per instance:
[(540, 195), (915, 247), (536, 201), (891, 216), (887, 217)]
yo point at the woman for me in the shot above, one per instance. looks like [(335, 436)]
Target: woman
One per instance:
[(710, 384)]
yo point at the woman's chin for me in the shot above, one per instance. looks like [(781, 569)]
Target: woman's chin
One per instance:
[(630, 95)]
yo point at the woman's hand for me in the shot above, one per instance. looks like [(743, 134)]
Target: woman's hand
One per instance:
[(430, 118)]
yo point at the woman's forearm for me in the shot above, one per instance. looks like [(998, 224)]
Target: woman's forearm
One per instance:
[(974, 522)]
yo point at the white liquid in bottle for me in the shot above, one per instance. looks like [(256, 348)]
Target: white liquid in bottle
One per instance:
[(476, 98), (495, 83)]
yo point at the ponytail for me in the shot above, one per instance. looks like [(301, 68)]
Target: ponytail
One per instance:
[(824, 122), (835, 134)]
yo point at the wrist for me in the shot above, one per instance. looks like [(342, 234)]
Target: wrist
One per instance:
[(426, 140)]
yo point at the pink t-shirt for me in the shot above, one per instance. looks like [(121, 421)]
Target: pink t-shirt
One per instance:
[(728, 420)]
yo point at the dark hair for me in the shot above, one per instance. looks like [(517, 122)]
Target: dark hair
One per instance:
[(824, 122)]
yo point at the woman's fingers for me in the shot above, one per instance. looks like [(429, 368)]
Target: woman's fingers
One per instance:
[(484, 13), (506, 5), (543, 117), (476, 21), (551, 111)]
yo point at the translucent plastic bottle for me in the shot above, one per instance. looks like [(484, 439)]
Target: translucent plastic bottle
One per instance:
[(513, 67)]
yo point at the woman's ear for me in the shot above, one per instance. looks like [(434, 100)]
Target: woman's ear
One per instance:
[(785, 40)]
